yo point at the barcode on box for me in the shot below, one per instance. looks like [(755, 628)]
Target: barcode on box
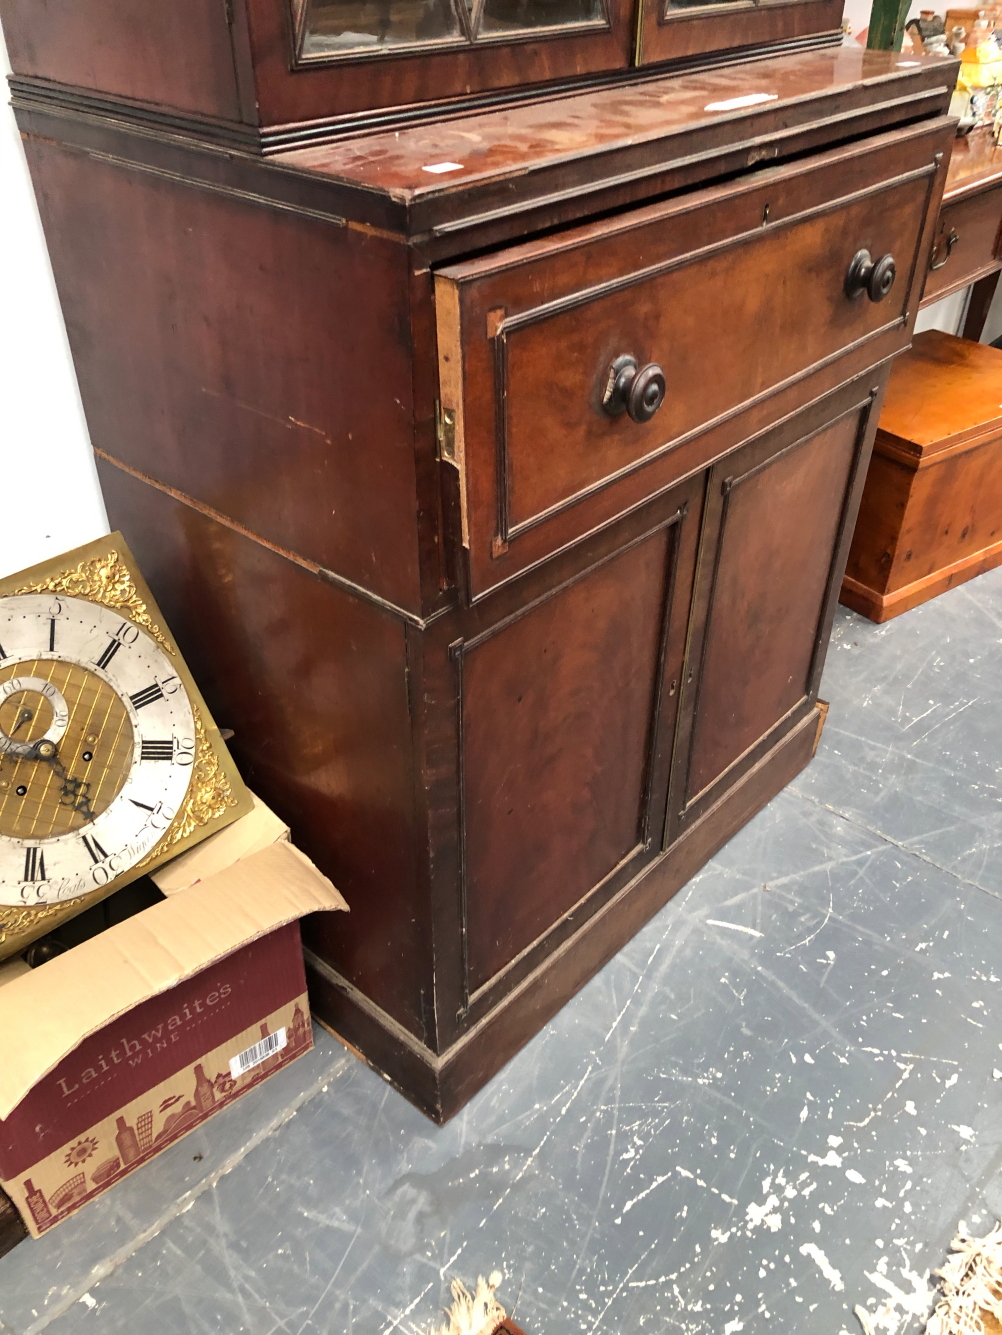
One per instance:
[(256, 1054)]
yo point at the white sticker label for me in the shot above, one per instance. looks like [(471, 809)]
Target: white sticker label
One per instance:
[(732, 103), (437, 168), (256, 1054)]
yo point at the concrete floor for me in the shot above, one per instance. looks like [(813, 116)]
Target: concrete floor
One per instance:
[(776, 1103)]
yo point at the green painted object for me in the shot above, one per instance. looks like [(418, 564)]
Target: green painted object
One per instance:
[(887, 25)]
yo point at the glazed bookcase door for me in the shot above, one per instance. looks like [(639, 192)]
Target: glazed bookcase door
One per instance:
[(779, 517), (672, 29), (349, 56), (330, 28)]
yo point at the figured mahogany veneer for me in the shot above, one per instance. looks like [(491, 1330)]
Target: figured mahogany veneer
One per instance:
[(512, 668), (559, 160), (931, 515)]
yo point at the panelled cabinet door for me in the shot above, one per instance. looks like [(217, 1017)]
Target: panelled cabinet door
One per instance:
[(566, 692), (779, 515)]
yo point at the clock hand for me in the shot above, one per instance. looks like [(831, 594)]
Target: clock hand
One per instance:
[(22, 750), (73, 791), (25, 716)]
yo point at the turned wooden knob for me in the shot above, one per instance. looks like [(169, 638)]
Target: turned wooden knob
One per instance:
[(874, 277), (634, 390)]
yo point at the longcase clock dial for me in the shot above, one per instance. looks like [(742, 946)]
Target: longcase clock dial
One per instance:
[(109, 762)]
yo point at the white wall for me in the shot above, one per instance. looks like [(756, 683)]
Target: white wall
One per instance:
[(993, 324), (50, 500), (947, 314)]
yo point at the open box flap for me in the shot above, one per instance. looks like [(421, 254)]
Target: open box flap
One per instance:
[(47, 1012), (259, 828)]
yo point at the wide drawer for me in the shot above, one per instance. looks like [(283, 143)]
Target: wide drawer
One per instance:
[(966, 244), (737, 291)]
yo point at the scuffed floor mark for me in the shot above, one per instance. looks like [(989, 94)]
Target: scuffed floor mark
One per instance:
[(733, 926), (906, 1071)]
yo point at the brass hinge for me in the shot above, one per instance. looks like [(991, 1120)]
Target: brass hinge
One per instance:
[(445, 432)]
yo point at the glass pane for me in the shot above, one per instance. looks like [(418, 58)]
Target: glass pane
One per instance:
[(335, 26), (689, 4), (510, 15)]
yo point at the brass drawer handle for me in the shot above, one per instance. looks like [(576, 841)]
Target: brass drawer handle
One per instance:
[(874, 277), (630, 389), (951, 241)]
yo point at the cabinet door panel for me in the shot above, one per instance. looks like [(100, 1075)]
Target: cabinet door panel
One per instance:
[(566, 717), (778, 512)]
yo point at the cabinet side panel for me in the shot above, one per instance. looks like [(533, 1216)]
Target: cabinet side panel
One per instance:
[(177, 54), (255, 359), (778, 533), (313, 681)]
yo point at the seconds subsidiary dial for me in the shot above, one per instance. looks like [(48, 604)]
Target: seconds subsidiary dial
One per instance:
[(97, 745)]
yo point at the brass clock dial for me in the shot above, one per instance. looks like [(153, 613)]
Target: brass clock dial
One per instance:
[(109, 762), (91, 747)]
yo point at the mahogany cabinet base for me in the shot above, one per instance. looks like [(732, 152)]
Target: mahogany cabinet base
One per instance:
[(441, 1084), (880, 607)]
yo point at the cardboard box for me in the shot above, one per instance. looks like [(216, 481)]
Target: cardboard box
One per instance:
[(113, 1051)]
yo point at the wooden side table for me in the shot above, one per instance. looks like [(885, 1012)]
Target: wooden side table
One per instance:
[(968, 245), (916, 535)]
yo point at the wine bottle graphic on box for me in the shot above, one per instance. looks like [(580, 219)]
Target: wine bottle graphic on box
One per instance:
[(205, 1096), (37, 1203), (127, 1141)]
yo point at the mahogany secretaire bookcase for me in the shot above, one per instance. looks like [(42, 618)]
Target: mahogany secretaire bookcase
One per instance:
[(486, 387)]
